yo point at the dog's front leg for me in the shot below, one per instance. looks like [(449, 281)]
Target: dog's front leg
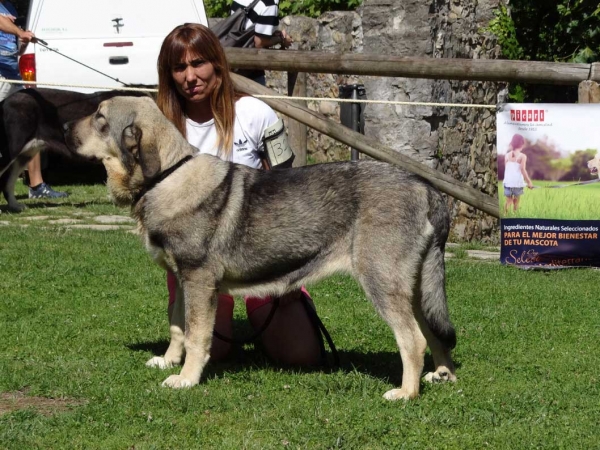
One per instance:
[(8, 181), (200, 298), (176, 351)]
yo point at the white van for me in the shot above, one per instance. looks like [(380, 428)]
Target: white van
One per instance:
[(120, 38)]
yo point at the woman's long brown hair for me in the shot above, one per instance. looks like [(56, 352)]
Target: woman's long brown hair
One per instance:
[(197, 40)]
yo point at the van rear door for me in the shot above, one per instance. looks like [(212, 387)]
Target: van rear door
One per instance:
[(120, 38)]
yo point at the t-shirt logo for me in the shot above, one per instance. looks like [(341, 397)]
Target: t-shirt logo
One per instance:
[(240, 145)]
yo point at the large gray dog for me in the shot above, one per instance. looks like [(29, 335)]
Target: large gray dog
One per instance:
[(225, 227)]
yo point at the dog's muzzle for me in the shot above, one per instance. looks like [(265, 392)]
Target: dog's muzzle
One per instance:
[(70, 140)]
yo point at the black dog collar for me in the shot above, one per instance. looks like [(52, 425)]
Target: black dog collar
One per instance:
[(160, 178)]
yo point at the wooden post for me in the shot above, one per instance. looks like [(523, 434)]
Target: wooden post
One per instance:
[(297, 131), (589, 92), (396, 66)]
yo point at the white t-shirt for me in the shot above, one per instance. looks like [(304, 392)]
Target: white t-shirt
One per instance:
[(252, 117)]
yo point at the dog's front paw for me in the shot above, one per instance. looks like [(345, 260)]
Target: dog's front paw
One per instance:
[(440, 376), (399, 394), (177, 382), (160, 362), (16, 207)]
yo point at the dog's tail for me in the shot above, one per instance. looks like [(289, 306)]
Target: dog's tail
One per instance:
[(433, 279)]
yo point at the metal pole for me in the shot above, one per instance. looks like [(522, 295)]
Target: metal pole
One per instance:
[(351, 113)]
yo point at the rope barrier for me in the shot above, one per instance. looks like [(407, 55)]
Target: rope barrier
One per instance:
[(383, 102), (280, 97), (79, 86)]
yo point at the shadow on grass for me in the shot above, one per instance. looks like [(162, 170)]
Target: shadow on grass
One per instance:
[(49, 205), (384, 365), (37, 205), (59, 202)]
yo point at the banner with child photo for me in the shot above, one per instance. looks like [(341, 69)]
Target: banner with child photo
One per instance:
[(548, 184)]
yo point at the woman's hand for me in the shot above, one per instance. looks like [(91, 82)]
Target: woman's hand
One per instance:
[(284, 39)]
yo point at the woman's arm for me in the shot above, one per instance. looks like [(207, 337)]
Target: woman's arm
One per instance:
[(279, 37)]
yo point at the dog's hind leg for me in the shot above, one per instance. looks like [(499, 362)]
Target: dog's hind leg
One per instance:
[(12, 172), (393, 299), (176, 351), (435, 319), (200, 297), (8, 182)]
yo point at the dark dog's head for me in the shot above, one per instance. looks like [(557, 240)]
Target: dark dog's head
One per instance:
[(124, 134)]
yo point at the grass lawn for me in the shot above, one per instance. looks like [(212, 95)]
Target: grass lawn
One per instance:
[(569, 202), (82, 310)]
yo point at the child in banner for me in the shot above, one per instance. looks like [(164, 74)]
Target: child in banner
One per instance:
[(515, 173)]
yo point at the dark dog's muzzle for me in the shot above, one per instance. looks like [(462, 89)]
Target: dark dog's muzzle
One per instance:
[(70, 140)]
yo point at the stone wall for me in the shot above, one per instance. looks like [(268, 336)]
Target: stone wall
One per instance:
[(457, 141), (467, 136), (337, 32)]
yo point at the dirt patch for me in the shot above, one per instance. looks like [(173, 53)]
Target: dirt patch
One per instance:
[(16, 401)]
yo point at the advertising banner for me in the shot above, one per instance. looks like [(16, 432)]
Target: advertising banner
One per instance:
[(548, 184)]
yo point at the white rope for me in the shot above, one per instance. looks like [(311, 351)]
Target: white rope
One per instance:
[(79, 86), (383, 102), (274, 97)]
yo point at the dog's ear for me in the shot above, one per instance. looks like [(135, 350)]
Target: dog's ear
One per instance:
[(143, 148)]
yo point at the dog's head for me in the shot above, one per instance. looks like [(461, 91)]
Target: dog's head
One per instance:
[(594, 165), (125, 134)]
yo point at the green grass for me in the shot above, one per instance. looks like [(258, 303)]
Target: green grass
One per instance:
[(83, 199), (83, 310), (566, 203)]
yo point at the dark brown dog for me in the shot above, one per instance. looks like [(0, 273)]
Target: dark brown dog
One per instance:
[(32, 120)]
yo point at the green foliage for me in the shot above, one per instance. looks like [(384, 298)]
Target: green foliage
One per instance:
[(517, 93), (503, 27), (538, 30), (314, 8), (562, 31), (217, 8), (578, 169), (567, 31), (308, 8), (545, 162), (221, 8)]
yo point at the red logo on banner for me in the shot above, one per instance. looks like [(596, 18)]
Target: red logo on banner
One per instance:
[(527, 115)]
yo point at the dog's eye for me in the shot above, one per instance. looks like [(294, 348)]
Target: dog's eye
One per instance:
[(101, 122)]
